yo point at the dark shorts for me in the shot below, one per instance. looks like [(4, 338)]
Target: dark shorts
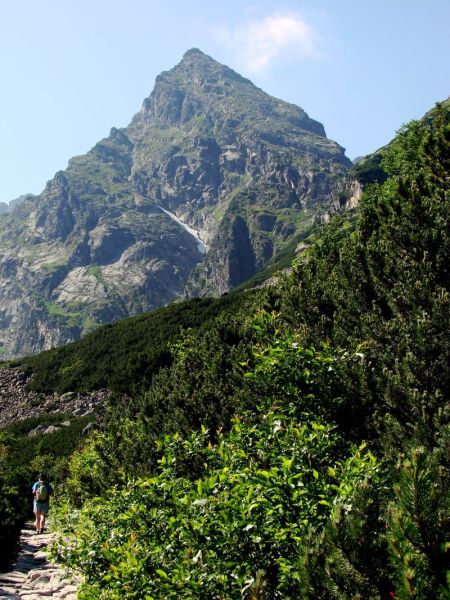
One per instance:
[(41, 507)]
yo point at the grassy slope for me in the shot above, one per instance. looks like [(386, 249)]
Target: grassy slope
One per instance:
[(125, 354)]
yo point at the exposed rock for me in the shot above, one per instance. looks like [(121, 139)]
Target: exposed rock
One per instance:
[(243, 169), (43, 430), (33, 575), (17, 403), (301, 247), (345, 197), (355, 193), (89, 428), (69, 396)]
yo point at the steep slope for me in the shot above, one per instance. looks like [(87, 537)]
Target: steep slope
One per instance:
[(243, 169)]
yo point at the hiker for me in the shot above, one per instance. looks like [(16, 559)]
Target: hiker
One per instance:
[(42, 491)]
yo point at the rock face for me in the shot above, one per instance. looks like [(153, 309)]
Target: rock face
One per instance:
[(4, 208), (245, 170)]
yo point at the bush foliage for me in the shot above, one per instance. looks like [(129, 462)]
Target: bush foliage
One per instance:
[(297, 449), (226, 518)]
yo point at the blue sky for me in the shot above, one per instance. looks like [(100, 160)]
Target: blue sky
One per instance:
[(72, 69)]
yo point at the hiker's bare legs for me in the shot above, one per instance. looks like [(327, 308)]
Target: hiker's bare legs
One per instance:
[(39, 522)]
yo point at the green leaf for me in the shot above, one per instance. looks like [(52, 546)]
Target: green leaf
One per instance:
[(162, 574), (287, 462)]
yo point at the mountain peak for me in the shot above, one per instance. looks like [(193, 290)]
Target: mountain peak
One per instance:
[(239, 169), (199, 85), (196, 56), (189, 89), (196, 63), (194, 52)]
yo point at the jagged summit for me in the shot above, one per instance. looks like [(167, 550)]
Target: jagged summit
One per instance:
[(196, 52), (193, 87), (194, 60), (199, 86), (209, 157), (197, 56)]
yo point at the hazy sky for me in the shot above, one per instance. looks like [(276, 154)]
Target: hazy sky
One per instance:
[(72, 69)]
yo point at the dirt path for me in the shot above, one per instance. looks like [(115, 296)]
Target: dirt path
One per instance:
[(33, 576)]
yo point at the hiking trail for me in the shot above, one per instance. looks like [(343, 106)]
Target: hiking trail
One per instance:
[(33, 576)]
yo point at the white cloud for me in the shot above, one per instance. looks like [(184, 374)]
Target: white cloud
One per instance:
[(257, 44)]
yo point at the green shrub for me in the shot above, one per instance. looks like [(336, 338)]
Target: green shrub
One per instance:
[(419, 524), (241, 522)]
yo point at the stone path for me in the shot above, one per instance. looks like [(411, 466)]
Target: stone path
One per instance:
[(33, 576)]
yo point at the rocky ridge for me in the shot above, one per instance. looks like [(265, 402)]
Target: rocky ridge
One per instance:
[(245, 170)]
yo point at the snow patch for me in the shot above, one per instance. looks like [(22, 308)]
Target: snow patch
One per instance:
[(202, 247)]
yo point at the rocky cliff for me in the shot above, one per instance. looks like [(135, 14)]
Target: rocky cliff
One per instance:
[(245, 170)]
